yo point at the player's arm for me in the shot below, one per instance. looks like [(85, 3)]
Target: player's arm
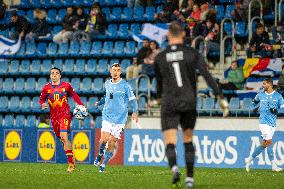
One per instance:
[(133, 101), (255, 103), (159, 85), (42, 98), (74, 95)]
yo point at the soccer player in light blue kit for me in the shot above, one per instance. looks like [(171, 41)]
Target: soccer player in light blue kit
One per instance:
[(114, 114), (269, 102)]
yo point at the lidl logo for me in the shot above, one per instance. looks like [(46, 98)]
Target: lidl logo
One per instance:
[(12, 145), (46, 146), (81, 146)]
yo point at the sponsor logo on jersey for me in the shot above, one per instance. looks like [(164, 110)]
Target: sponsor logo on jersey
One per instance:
[(12, 145), (81, 146), (46, 146)]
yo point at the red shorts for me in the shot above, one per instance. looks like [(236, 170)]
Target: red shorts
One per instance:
[(61, 125)]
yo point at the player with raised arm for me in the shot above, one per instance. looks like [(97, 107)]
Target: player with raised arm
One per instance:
[(114, 114), (56, 93), (267, 102), (176, 72)]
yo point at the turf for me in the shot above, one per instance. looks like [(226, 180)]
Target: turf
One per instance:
[(40, 175)]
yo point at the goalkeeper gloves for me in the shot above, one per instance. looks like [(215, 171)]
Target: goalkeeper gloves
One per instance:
[(224, 106), (273, 111)]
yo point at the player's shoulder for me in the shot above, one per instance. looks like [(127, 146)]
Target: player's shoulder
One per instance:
[(277, 94), (47, 85), (64, 84)]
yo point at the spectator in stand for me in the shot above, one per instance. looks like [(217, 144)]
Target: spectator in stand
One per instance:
[(280, 85), (167, 14), (97, 23), (278, 33), (204, 11), (260, 43), (3, 8), (235, 78), (134, 70), (143, 3), (67, 23), (80, 25), (147, 66), (20, 24), (44, 121), (40, 28), (195, 12)]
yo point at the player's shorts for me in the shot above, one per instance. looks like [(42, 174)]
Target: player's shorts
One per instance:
[(171, 120), (112, 128), (61, 125), (267, 131)]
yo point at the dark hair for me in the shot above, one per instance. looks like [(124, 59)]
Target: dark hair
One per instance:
[(55, 68), (259, 25), (43, 118), (269, 80), (14, 13), (175, 29), (153, 41)]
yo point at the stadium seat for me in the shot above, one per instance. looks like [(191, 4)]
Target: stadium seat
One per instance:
[(75, 82), (68, 67), (220, 12), (45, 67), (229, 9), (1, 121), (65, 79), (79, 67), (98, 86), (35, 67), (30, 85), (47, 4), (149, 13), (20, 121), (246, 107), (60, 15), (118, 48), (87, 123), (132, 83), (9, 121), (91, 105), (124, 64), (41, 49), (31, 49), (85, 48), (30, 16), (1, 85), (107, 48), (143, 85), (123, 31), (86, 86), (102, 67), (56, 29), (58, 63), (84, 99), (24, 4), (35, 105), (240, 29), (19, 86), (112, 61), (3, 68), (14, 67), (199, 104), (208, 106), (98, 122), (63, 49), (22, 50), (96, 48), (91, 67), (107, 13), (228, 28), (4, 104), (234, 105), (8, 86), (75, 124), (74, 49), (111, 31), (138, 13), (142, 104), (71, 104), (51, 14), (154, 86), (127, 14), (121, 2), (40, 84), (31, 121), (52, 49), (35, 3), (24, 68), (26, 104), (130, 49)]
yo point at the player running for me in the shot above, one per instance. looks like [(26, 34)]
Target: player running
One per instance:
[(114, 114), (176, 69), (56, 93), (269, 102)]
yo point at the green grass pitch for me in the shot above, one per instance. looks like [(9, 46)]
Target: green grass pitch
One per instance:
[(53, 176)]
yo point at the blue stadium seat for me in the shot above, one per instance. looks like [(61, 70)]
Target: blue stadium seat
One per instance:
[(30, 16), (1, 121), (79, 68), (98, 86), (62, 49), (75, 82), (229, 9), (19, 86), (52, 49), (199, 104), (35, 67), (51, 15), (4, 104), (87, 123), (4, 68), (143, 85), (35, 3), (84, 100), (26, 104), (234, 105), (98, 122), (107, 48), (45, 67), (87, 3), (130, 49), (96, 48), (127, 14), (35, 105), (91, 105), (31, 49), (118, 48), (71, 104), (1, 85), (111, 31), (107, 13), (121, 2), (247, 102), (56, 29), (112, 61), (138, 13), (74, 48), (116, 14), (68, 67), (47, 4), (149, 13), (154, 86), (75, 124), (269, 15), (60, 15), (209, 105), (240, 29), (41, 49), (65, 79), (20, 121), (85, 48), (58, 63), (40, 84), (102, 67), (142, 103), (22, 50), (66, 3), (9, 121), (14, 104), (132, 83), (14, 67), (25, 67), (91, 67), (228, 28), (8, 86), (124, 64), (21, 12), (30, 85), (31, 121), (24, 4), (220, 12), (123, 31)]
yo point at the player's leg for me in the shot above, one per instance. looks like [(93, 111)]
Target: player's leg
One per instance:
[(269, 148), (188, 120)]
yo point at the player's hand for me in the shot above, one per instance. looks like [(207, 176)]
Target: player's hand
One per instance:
[(44, 106), (273, 111), (134, 117), (224, 106), (96, 104), (153, 103)]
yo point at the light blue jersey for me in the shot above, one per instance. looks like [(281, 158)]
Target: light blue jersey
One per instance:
[(267, 102), (116, 101)]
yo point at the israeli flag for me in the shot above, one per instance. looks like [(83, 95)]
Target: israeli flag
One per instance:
[(8, 46), (157, 32)]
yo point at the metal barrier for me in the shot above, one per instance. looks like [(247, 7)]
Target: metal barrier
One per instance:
[(250, 20), (279, 10)]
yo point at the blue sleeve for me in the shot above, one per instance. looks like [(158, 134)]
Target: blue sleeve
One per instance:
[(134, 106), (255, 102), (280, 102)]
